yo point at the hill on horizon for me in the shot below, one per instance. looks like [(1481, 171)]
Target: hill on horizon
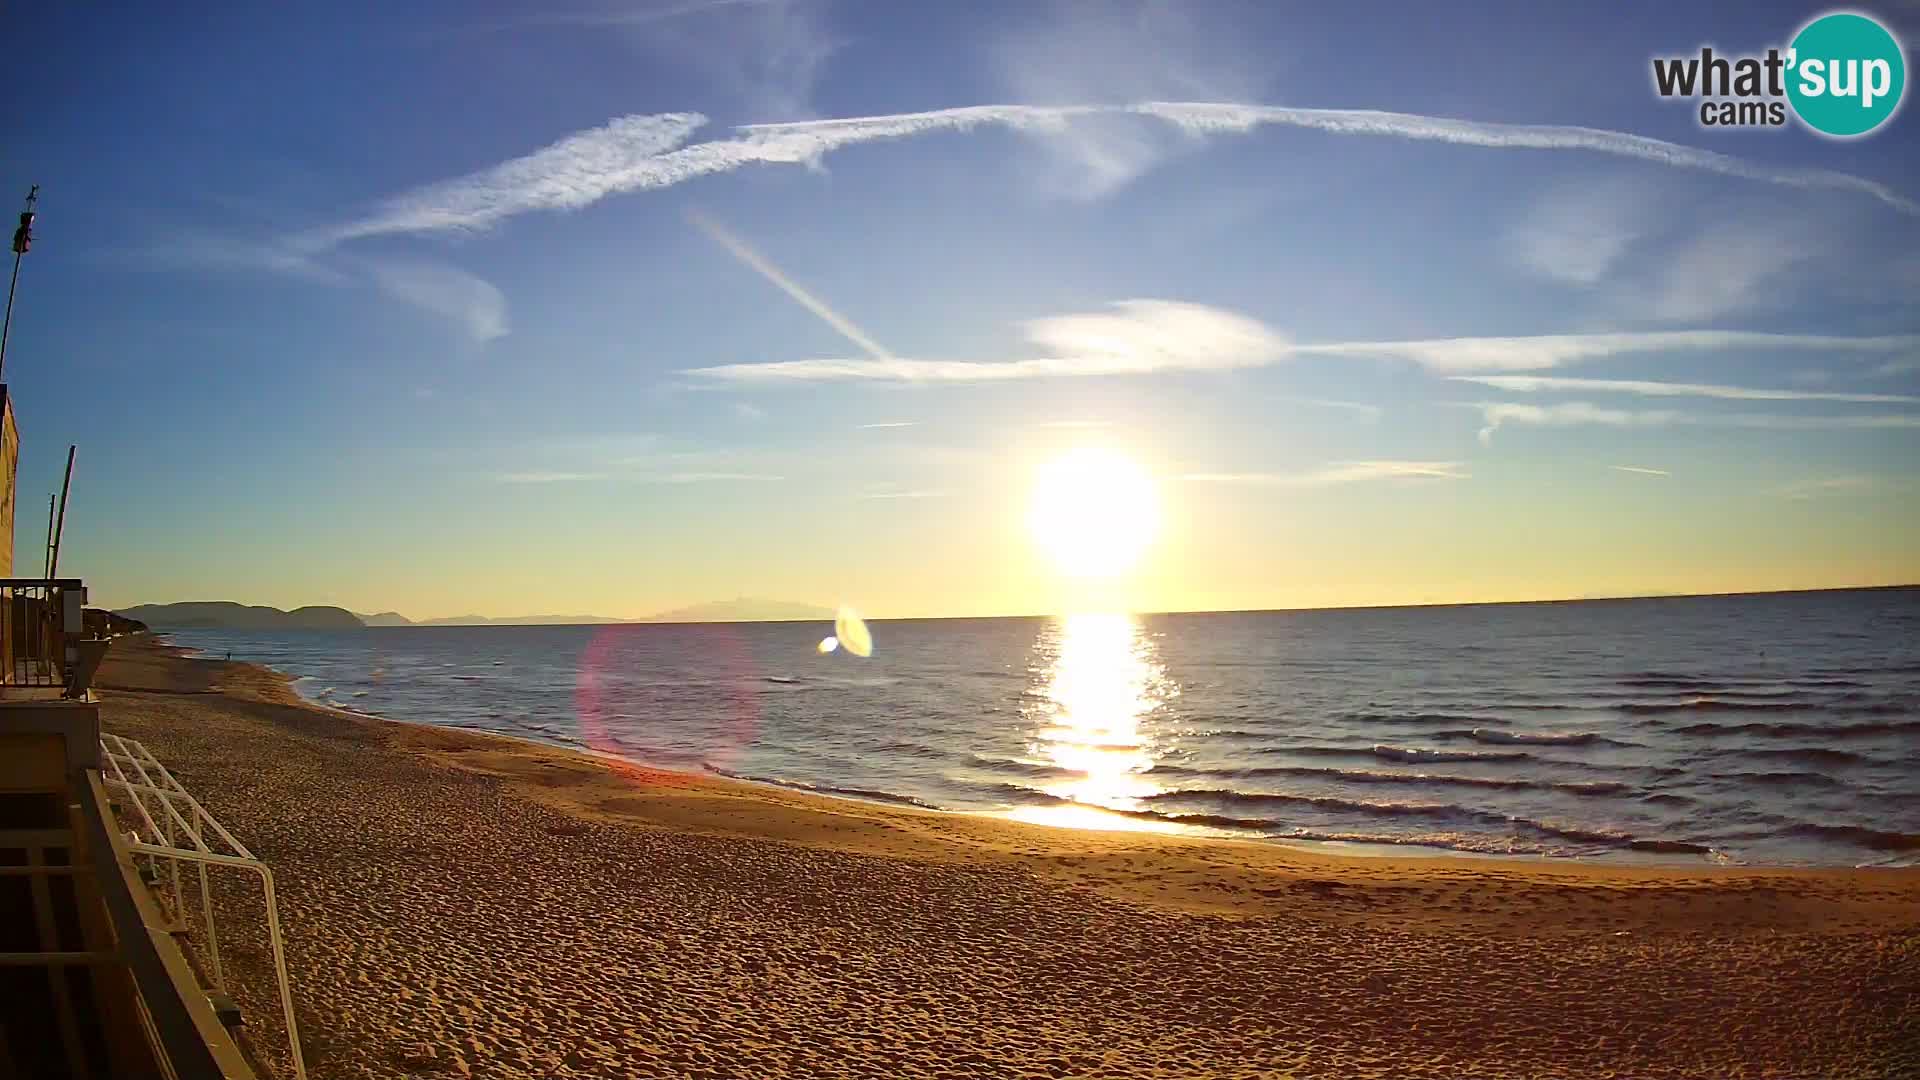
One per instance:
[(224, 614)]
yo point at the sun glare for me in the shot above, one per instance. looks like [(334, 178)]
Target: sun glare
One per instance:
[(1094, 512)]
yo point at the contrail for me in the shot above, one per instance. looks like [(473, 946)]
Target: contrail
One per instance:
[(759, 264), (644, 152)]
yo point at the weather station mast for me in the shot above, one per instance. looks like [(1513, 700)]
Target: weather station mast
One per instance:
[(22, 242)]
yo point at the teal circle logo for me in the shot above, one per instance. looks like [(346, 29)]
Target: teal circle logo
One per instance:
[(1846, 74)]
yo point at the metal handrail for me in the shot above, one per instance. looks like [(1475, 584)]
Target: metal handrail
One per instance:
[(178, 1018), (155, 783)]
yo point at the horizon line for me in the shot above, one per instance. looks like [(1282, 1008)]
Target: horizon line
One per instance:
[(644, 621)]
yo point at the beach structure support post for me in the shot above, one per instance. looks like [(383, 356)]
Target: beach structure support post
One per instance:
[(46, 555), (53, 560)]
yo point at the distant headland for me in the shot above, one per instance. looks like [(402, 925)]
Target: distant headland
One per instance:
[(225, 615)]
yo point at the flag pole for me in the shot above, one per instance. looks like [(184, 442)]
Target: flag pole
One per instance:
[(22, 240)]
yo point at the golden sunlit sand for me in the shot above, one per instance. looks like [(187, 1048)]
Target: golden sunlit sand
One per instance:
[(461, 904)]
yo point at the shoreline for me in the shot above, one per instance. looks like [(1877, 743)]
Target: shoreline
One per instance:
[(462, 903), (1082, 817), (453, 746)]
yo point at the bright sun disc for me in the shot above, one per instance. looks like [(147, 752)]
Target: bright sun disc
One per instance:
[(1094, 511)]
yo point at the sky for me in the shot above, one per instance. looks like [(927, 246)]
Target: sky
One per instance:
[(615, 308)]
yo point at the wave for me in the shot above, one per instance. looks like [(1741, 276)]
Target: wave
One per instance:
[(1790, 776), (866, 794), (1710, 704), (1588, 836), (1877, 839), (1821, 731), (1820, 754), (1032, 769), (1230, 797), (1569, 738), (1367, 776), (1402, 753), (1416, 718)]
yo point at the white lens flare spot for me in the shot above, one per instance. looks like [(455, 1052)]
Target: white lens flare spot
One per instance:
[(828, 644), (1094, 511), (852, 631)]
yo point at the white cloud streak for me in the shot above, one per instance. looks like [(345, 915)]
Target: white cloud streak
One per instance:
[(1577, 234), (707, 478), (1132, 337), (914, 494), (642, 152), (763, 266), (1498, 414), (545, 477), (889, 424), (472, 303), (1139, 337), (1639, 470), (1647, 388), (1852, 484), (1480, 354), (1339, 472)]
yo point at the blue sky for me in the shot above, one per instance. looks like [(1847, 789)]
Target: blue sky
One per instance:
[(483, 308)]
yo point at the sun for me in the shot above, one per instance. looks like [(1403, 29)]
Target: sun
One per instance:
[(1094, 511)]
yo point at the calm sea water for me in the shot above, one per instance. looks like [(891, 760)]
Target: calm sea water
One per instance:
[(1760, 729)]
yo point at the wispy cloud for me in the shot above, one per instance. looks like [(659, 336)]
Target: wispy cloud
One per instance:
[(889, 424), (1646, 388), (473, 304), (1339, 472), (1852, 484), (749, 411), (1138, 337), (1448, 355), (1132, 337), (583, 168), (1498, 414), (1358, 408), (1730, 267), (545, 477), (763, 266), (903, 493), (1640, 470), (641, 152), (1576, 234), (707, 478), (1898, 367)]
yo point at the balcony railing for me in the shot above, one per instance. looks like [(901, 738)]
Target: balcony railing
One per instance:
[(43, 638)]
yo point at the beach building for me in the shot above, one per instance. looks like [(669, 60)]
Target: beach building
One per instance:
[(109, 951)]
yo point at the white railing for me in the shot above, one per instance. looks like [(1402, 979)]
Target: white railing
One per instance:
[(172, 826)]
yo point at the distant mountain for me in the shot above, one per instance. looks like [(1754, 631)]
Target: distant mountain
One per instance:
[(224, 615), (743, 609), (517, 620)]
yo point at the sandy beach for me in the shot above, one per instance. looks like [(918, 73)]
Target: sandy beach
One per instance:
[(461, 904)]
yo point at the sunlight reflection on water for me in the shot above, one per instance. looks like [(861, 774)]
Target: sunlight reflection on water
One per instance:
[(1105, 684)]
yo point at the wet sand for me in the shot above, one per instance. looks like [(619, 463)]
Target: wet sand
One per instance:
[(463, 904)]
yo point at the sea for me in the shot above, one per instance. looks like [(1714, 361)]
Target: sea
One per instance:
[(1767, 729)]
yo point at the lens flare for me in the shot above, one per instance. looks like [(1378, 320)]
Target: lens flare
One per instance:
[(852, 632)]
